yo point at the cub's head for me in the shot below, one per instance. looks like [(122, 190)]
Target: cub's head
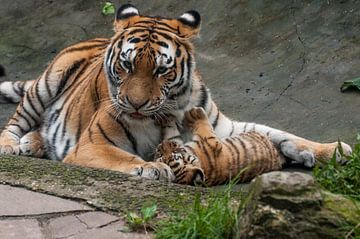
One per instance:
[(149, 63), (180, 162)]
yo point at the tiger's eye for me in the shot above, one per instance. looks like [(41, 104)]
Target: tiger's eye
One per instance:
[(161, 70), (127, 64)]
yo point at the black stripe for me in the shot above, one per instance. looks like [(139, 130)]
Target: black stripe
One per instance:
[(12, 132), (22, 130), (28, 113), (38, 94), (130, 137), (66, 149), (174, 137), (214, 124), (204, 97), (16, 90), (27, 96), (90, 134), (55, 134), (232, 128), (71, 70), (246, 124), (104, 134)]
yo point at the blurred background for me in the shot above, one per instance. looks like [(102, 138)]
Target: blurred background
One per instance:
[(279, 62)]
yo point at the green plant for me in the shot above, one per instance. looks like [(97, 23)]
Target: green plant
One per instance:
[(217, 218), (341, 179), (108, 9), (142, 221), (353, 83)]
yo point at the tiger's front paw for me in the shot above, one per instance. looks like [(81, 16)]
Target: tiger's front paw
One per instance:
[(9, 145), (10, 149), (155, 171), (194, 116)]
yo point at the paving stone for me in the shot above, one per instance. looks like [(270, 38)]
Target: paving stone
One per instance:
[(15, 201), (20, 229), (65, 226), (110, 232), (96, 219)]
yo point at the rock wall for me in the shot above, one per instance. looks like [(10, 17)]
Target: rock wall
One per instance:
[(279, 62)]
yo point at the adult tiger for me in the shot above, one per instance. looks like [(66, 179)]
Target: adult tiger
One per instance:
[(100, 103)]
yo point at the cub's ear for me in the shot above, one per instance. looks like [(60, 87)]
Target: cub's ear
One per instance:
[(124, 16), (189, 24)]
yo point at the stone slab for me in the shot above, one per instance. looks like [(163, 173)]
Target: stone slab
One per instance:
[(18, 201), (65, 226), (110, 232), (20, 229), (96, 219)]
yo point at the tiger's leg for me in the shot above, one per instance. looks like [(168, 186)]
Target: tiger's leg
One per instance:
[(106, 156), (298, 149), (105, 144), (198, 122)]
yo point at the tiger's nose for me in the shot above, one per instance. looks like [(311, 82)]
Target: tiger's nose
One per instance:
[(137, 104)]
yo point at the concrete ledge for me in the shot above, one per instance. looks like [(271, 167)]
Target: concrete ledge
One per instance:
[(107, 190)]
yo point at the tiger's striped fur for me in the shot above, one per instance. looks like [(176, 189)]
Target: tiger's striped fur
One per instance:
[(100, 103), (248, 154)]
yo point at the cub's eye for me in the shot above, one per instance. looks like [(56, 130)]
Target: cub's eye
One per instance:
[(127, 64), (161, 70)]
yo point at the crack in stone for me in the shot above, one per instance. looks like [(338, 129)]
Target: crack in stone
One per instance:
[(44, 215), (109, 223), (302, 56), (82, 222)]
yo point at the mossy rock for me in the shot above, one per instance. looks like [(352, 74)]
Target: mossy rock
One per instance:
[(103, 189), (291, 205)]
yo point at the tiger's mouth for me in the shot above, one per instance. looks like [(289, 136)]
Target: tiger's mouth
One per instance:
[(138, 115)]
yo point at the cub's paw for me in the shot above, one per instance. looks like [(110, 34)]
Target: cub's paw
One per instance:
[(194, 115), (155, 171), (191, 175)]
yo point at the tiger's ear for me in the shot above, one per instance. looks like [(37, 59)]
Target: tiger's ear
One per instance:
[(189, 24), (124, 16)]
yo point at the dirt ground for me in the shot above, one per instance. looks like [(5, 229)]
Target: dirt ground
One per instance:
[(279, 63)]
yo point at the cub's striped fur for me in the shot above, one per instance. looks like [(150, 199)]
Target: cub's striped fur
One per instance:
[(250, 154), (101, 102)]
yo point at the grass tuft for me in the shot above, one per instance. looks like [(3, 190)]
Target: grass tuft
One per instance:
[(341, 179), (217, 218)]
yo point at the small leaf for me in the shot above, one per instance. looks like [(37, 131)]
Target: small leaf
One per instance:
[(134, 219), (108, 9), (353, 83), (149, 212)]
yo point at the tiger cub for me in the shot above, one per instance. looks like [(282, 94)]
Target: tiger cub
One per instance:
[(210, 160)]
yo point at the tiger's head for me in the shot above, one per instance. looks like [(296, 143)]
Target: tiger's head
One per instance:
[(149, 63)]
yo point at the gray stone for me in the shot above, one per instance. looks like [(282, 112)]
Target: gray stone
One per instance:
[(96, 219), (110, 232), (289, 205), (18, 201), (20, 229), (66, 226)]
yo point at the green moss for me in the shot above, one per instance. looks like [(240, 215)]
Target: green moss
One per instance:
[(104, 189), (347, 209)]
